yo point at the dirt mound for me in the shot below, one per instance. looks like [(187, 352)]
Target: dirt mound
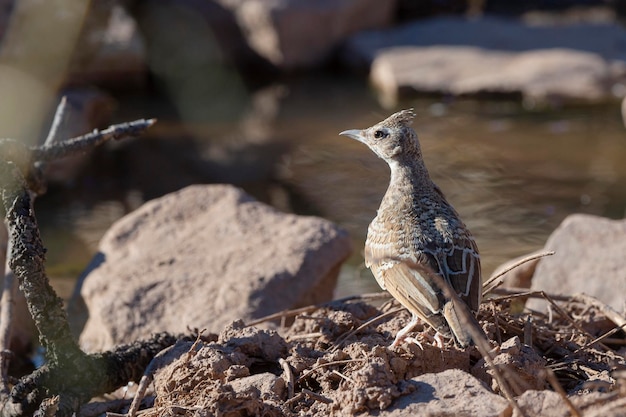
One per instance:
[(337, 360)]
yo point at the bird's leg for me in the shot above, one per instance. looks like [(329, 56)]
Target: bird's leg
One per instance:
[(439, 340), (402, 334)]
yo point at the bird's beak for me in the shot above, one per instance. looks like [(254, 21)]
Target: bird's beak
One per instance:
[(353, 133)]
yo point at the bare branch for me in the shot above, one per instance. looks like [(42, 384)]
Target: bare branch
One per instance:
[(83, 143), (59, 117), (491, 283), (70, 374)]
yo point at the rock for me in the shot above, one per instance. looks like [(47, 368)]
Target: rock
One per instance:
[(264, 344), (589, 258), (221, 48), (519, 277), (449, 393), (572, 63), (201, 258), (295, 34), (265, 384), (536, 75), (521, 359), (111, 51), (541, 403), (6, 6), (550, 404), (219, 379)]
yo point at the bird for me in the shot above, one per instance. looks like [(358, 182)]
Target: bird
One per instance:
[(417, 247)]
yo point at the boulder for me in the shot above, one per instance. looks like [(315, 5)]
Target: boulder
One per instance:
[(542, 75), (589, 258), (566, 63), (449, 393), (294, 34), (201, 258)]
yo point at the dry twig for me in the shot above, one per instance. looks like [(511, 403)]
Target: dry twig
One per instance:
[(289, 378), (493, 282), (67, 365)]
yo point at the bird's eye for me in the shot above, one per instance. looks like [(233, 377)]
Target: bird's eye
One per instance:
[(380, 134)]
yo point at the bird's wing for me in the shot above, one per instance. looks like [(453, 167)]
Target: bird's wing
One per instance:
[(460, 265), (407, 281), (411, 283)]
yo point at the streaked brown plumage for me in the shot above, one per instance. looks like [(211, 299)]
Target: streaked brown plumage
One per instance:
[(417, 235)]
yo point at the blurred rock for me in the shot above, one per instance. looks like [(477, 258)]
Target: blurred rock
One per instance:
[(295, 34), (223, 44), (6, 7), (589, 258), (544, 75), (521, 276), (568, 63), (111, 51), (203, 257), (449, 393), (521, 359)]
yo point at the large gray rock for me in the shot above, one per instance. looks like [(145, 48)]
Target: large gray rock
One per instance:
[(201, 258), (589, 258), (579, 62), (296, 34), (449, 393)]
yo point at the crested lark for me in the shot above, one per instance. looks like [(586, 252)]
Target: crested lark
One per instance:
[(417, 246)]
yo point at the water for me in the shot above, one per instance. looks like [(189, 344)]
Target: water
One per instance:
[(512, 173)]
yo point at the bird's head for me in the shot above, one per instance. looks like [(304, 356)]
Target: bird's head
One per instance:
[(392, 139)]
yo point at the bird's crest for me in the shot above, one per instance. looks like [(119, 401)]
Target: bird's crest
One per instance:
[(403, 118)]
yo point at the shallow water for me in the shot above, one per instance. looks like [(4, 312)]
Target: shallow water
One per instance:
[(512, 173)]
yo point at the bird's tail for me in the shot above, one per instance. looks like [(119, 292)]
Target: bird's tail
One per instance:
[(462, 323)]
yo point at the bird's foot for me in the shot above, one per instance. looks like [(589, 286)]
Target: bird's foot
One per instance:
[(438, 340), (414, 341), (402, 334), (403, 338)]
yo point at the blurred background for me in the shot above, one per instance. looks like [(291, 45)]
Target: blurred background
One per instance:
[(518, 106)]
